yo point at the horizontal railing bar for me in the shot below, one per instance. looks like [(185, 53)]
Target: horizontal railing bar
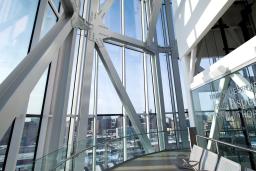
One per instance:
[(228, 144)]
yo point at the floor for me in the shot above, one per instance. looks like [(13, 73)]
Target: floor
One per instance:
[(162, 161)]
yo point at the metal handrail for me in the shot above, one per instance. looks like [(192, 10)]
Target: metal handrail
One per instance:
[(106, 142), (227, 144)]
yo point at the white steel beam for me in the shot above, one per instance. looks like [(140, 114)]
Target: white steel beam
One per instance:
[(159, 100), (25, 76), (41, 150), (61, 94), (153, 19), (116, 81), (176, 73), (109, 35), (86, 77), (186, 62), (242, 82), (85, 92)]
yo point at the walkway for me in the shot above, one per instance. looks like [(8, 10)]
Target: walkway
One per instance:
[(162, 161)]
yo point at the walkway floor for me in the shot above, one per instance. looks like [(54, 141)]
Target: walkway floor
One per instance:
[(162, 161)]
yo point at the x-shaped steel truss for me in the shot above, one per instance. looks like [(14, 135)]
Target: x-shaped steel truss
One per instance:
[(24, 77)]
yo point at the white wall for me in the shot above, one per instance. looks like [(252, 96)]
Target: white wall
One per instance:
[(194, 18)]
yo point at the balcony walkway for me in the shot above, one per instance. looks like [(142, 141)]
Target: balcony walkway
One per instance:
[(161, 161)]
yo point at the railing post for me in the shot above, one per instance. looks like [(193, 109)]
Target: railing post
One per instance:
[(217, 148), (106, 156)]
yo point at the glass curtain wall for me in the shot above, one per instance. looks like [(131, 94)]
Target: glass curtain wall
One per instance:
[(17, 28), (107, 117), (230, 103), (27, 152)]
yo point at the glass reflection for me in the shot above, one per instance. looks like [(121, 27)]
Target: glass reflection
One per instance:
[(16, 23), (230, 101)]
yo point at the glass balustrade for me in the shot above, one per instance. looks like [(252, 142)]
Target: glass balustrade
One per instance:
[(104, 155)]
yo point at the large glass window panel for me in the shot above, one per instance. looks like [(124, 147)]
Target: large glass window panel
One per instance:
[(171, 134), (109, 127), (28, 144), (108, 100), (160, 31), (130, 127), (165, 26), (151, 97), (4, 144), (165, 83), (49, 20), (132, 11), (16, 24), (74, 75), (90, 130), (152, 122), (37, 95), (135, 79), (112, 19), (235, 104)]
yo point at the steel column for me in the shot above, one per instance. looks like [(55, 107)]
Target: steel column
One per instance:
[(25, 76), (176, 74)]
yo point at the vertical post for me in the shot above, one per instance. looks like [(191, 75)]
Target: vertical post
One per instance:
[(59, 102), (186, 65), (145, 69), (160, 110), (106, 155), (124, 83), (95, 111), (157, 79), (176, 75), (86, 79)]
